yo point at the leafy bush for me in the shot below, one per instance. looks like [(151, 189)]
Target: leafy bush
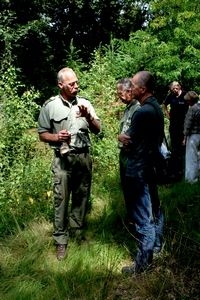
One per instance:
[(19, 157)]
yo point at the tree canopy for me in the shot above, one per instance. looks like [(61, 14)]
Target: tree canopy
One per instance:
[(36, 35), (39, 37)]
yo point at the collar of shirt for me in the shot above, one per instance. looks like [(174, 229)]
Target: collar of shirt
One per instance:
[(70, 104)]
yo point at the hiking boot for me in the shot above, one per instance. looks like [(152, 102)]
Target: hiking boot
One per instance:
[(61, 251), (134, 269)]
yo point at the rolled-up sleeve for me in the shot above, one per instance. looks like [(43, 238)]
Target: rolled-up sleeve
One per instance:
[(44, 123)]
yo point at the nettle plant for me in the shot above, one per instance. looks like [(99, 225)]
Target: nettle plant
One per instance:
[(17, 116), (18, 110)]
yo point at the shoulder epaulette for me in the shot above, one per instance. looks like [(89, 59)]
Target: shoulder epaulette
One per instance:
[(78, 97), (49, 100)]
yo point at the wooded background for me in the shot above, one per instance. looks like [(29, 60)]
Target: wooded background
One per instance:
[(102, 41), (39, 37)]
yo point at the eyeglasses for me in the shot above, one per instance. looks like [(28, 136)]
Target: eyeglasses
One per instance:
[(72, 84)]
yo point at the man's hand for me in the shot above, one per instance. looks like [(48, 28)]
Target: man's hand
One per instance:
[(64, 136), (83, 112), (124, 139), (94, 124), (184, 141), (61, 136)]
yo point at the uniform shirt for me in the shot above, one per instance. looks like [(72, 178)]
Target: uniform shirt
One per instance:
[(178, 108), (125, 121), (146, 132), (192, 120), (57, 114)]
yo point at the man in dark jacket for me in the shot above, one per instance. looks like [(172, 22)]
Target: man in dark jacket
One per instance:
[(144, 138), (125, 94)]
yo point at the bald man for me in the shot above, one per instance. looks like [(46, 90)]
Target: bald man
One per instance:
[(65, 122), (143, 139)]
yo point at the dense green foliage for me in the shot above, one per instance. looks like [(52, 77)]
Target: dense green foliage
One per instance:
[(162, 36), (19, 169), (168, 45), (36, 35), (92, 270)]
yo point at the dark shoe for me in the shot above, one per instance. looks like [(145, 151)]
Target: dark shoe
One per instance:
[(61, 251), (129, 270), (134, 269), (158, 251)]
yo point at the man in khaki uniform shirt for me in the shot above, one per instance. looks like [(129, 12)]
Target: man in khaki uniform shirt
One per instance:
[(66, 120)]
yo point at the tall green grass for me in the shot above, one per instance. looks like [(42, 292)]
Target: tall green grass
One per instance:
[(92, 269)]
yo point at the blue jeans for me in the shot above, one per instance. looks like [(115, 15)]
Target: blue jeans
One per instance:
[(145, 213)]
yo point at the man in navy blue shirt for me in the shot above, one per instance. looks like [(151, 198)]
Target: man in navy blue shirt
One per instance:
[(176, 115), (143, 140)]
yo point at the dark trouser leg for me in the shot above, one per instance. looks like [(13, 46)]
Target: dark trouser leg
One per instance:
[(81, 185), (177, 152), (61, 200), (123, 178)]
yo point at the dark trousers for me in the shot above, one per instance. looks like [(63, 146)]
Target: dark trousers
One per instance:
[(122, 170), (72, 176), (177, 151)]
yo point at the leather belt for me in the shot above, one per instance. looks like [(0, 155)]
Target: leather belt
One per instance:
[(72, 151)]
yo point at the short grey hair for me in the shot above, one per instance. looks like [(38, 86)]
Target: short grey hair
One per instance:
[(125, 84), (60, 75)]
